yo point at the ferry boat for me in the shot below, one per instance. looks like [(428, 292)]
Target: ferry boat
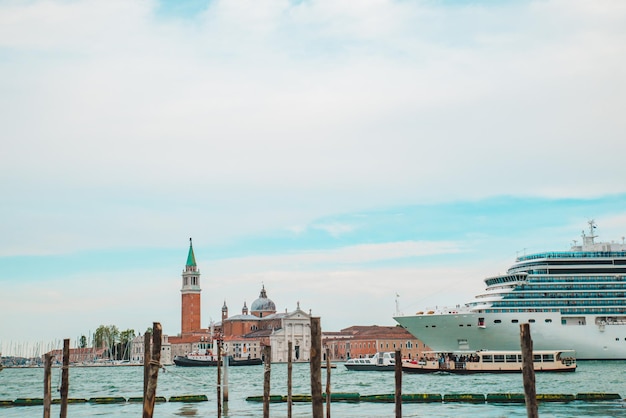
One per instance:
[(574, 299), (377, 362), (209, 360), (491, 362)]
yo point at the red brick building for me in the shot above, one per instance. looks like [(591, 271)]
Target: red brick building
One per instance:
[(364, 341)]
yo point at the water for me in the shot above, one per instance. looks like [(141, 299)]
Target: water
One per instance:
[(88, 382)]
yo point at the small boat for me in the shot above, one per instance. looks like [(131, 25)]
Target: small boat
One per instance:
[(380, 361), (332, 366), (209, 360), (485, 361)]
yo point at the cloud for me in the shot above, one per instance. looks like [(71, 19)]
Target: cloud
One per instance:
[(306, 91)]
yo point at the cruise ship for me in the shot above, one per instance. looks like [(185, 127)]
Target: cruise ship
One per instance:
[(572, 300)]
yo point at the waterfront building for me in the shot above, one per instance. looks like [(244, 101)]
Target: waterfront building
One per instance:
[(295, 327), (264, 326), (137, 350), (85, 355), (364, 341)]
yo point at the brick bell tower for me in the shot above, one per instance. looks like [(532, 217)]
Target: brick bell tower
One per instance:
[(190, 292)]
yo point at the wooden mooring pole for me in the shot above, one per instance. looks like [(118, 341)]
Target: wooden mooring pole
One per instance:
[(267, 354), (289, 377), (398, 396), (65, 377), (146, 361), (219, 378), (316, 368), (328, 367), (47, 385), (225, 385), (528, 371), (153, 375)]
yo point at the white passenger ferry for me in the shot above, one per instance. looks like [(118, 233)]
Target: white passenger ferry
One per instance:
[(574, 299), (381, 361), (491, 362)]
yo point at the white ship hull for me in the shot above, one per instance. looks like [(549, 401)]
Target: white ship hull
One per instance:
[(549, 330)]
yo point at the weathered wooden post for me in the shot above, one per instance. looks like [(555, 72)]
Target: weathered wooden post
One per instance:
[(328, 367), (65, 377), (146, 361), (219, 378), (47, 385), (398, 371), (267, 353), (289, 377), (528, 371), (316, 368), (225, 385), (155, 364)]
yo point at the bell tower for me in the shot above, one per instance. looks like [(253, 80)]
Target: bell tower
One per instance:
[(224, 312), (190, 293)]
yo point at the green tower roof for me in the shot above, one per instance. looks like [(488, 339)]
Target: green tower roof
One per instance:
[(191, 259)]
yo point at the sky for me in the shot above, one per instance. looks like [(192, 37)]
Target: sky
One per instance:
[(360, 159)]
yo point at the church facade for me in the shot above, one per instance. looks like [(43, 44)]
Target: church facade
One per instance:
[(247, 333)]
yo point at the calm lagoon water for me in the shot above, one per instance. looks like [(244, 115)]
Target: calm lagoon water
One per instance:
[(88, 382)]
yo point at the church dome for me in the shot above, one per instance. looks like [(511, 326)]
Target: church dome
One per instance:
[(263, 303)]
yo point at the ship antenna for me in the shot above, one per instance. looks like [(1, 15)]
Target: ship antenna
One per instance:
[(592, 226), (397, 305)]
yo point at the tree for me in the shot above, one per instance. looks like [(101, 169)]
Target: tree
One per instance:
[(83, 342), (105, 337)]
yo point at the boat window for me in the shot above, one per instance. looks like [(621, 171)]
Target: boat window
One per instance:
[(498, 358), (548, 321), (537, 358), (460, 325), (497, 321), (531, 321), (487, 358), (548, 357), (515, 321), (511, 358)]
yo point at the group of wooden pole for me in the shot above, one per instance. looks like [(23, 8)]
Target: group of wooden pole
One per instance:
[(65, 381), (152, 364), (317, 400)]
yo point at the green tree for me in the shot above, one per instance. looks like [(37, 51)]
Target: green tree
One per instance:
[(105, 337), (83, 342)]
